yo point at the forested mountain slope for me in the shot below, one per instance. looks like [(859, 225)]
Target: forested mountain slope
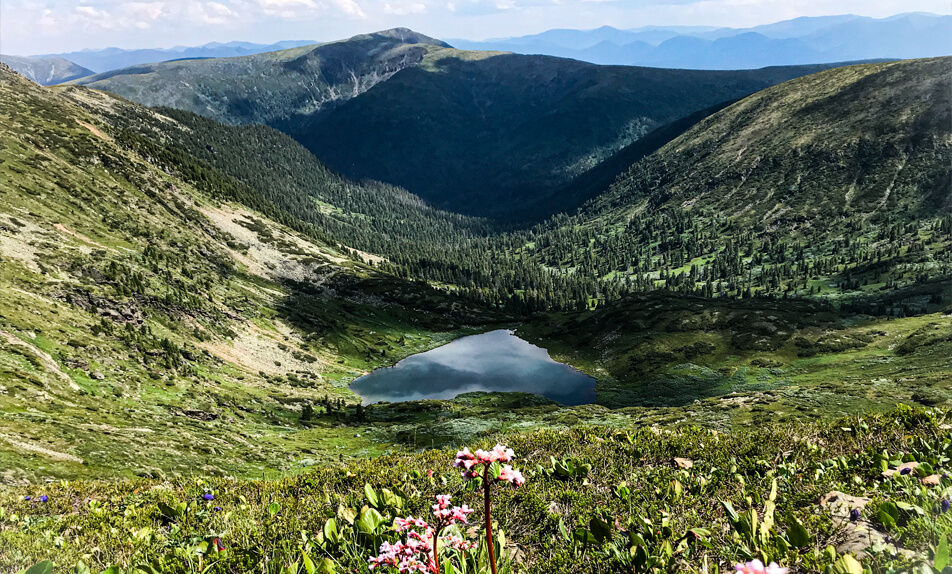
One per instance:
[(272, 87), (837, 182), (510, 129), (498, 134)]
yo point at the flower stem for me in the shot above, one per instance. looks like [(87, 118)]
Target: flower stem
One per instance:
[(436, 555), (489, 522)]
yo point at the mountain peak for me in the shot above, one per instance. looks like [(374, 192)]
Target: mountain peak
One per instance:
[(407, 36)]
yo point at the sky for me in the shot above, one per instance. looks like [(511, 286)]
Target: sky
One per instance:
[(50, 26)]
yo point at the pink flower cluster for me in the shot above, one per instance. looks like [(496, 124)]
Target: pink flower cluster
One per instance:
[(416, 554), (446, 514), (757, 567), (468, 461)]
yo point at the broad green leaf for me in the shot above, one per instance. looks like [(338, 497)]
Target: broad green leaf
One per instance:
[(44, 567), (308, 564), (371, 495), (584, 536), (370, 521), (331, 533), (601, 528), (327, 566), (111, 570), (847, 565), (797, 533), (941, 554), (81, 568), (273, 509)]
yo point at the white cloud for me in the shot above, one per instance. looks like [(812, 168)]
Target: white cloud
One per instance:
[(349, 8), (404, 9)]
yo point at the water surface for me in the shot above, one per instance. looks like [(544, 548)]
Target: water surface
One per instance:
[(497, 361)]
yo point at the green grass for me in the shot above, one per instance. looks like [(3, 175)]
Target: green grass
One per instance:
[(268, 525)]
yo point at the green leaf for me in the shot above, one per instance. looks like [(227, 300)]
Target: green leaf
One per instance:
[(81, 568), (370, 521), (563, 530), (327, 566), (584, 536), (847, 565), (44, 567), (732, 515), (170, 511), (371, 495), (331, 534), (797, 533), (309, 566), (911, 508), (111, 570), (494, 470), (601, 528), (941, 554), (273, 509)]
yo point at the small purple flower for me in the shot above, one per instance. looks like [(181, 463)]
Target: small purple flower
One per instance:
[(944, 505), (217, 509), (905, 471), (44, 498), (27, 498), (208, 496), (854, 515)]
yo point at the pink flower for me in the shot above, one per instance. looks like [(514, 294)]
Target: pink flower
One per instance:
[(484, 457), (502, 454), (757, 567), (512, 476)]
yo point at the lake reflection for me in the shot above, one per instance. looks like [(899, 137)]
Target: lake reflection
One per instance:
[(495, 361)]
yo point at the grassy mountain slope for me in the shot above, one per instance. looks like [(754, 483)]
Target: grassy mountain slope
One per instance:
[(497, 135), (272, 87), (142, 303), (851, 141), (46, 71)]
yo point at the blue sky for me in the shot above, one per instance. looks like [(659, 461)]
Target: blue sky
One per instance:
[(46, 26)]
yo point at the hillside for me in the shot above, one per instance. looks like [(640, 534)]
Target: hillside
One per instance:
[(143, 301), (834, 184), (46, 71), (272, 87), (511, 129)]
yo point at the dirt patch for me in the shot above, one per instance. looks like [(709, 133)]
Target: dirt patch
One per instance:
[(45, 359), (265, 259), (93, 129), (258, 350), (63, 229), (23, 445)]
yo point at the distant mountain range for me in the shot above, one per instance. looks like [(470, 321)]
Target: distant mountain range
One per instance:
[(46, 71), (807, 40), (115, 58)]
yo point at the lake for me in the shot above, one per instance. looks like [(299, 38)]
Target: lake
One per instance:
[(497, 361)]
